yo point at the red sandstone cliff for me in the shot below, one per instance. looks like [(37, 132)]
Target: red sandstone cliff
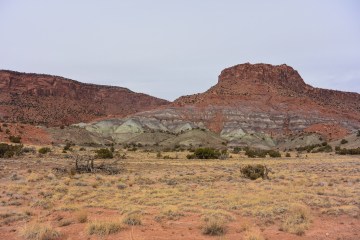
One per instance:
[(54, 101)]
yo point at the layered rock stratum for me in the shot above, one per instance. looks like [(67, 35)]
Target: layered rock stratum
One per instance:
[(42, 99), (251, 103)]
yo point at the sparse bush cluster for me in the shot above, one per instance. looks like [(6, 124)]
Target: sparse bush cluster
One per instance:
[(15, 139), (132, 146), (103, 228), (315, 148), (253, 153), (205, 153), (39, 232), (255, 171), (274, 154), (7, 150), (44, 150), (104, 153), (344, 151), (326, 148)]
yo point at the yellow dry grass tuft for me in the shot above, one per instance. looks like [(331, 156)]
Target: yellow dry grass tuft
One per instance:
[(297, 220), (132, 219), (103, 228), (214, 227), (39, 232)]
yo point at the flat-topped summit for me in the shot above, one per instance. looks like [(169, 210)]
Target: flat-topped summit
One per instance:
[(265, 84), (276, 76)]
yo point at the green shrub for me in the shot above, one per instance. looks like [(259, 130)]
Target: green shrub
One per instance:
[(344, 151), (255, 171), (287, 155), (205, 153), (323, 147), (358, 133), (251, 153), (7, 151), (344, 141), (326, 148), (44, 150), (274, 154), (14, 139), (236, 150), (104, 153), (7, 131)]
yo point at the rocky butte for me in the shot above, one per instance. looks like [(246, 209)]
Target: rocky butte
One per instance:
[(250, 104)]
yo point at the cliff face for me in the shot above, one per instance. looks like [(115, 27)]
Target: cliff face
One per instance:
[(269, 85), (251, 103), (259, 98), (54, 101)]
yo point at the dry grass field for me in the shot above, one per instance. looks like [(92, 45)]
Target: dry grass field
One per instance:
[(308, 197)]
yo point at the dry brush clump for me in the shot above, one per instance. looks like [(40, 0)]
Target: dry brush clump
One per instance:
[(206, 153), (172, 213), (297, 220), (215, 222), (254, 172), (38, 231), (132, 219), (254, 153), (104, 228), (214, 227), (7, 150)]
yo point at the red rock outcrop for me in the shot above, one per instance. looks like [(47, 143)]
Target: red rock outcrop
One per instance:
[(253, 98), (277, 87), (54, 101)]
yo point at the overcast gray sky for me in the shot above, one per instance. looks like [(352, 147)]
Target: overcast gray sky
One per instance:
[(172, 48)]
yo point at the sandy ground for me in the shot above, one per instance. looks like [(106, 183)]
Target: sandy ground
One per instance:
[(174, 198)]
